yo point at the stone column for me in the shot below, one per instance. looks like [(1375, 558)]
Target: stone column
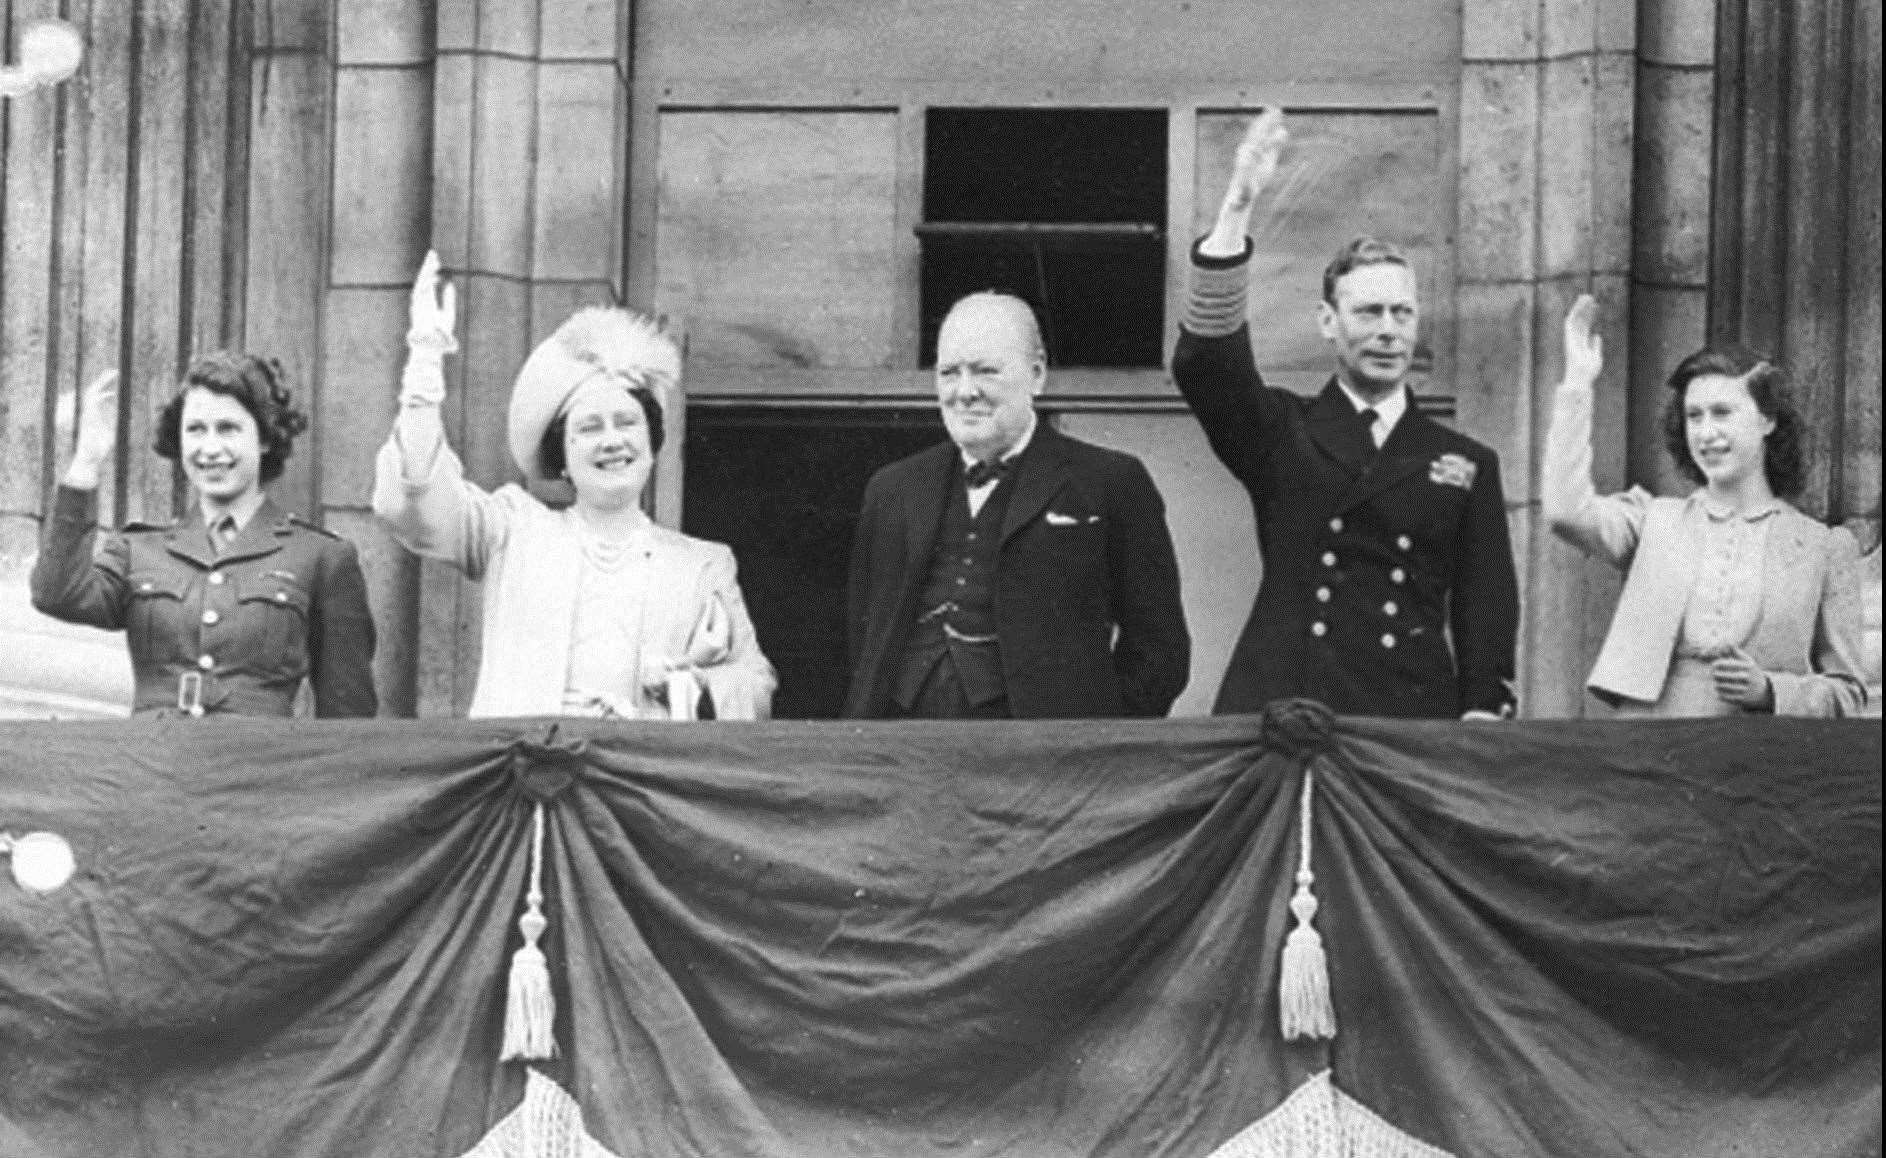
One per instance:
[(1676, 69), (1545, 209), (530, 116), (383, 97)]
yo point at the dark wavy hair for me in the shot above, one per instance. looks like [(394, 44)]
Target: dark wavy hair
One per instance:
[(260, 384), (550, 447), (1767, 383), (1357, 253)]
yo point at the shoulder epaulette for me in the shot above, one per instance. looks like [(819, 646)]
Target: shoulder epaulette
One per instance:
[(141, 525), (296, 520)]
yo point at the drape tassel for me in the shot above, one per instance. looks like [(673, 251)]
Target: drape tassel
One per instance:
[(1303, 991), (530, 1010)]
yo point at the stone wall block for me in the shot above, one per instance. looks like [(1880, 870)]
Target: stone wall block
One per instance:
[(457, 25), (494, 333), (1498, 30), (1568, 28), (453, 105), (581, 30), (1617, 24), (1493, 382), (1672, 186), (1677, 32), (551, 303), (1613, 119), (1567, 165), (505, 169), (385, 32), (1667, 326), (1499, 153), (382, 174), (577, 203), (366, 348)]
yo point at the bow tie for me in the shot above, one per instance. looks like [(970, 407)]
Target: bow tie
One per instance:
[(978, 473)]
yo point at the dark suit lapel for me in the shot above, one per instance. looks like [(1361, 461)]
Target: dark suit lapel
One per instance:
[(1039, 476), (1331, 423), (923, 510), (1411, 448)]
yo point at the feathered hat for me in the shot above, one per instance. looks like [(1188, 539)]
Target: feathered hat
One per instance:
[(600, 340)]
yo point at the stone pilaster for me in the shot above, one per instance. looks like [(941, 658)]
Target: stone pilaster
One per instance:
[(1545, 214)]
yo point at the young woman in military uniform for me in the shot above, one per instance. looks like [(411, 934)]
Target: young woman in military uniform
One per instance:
[(230, 610)]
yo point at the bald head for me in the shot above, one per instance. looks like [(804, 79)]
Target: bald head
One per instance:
[(990, 364), (1005, 313)]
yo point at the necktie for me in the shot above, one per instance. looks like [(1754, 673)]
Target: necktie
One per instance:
[(978, 473), (1368, 416), (223, 533)]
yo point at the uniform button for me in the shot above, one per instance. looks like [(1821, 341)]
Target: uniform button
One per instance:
[(1397, 576), (216, 578), (960, 582), (1322, 595), (281, 597), (206, 662), (968, 562), (1404, 542), (145, 586), (1389, 608), (211, 617), (196, 710), (1329, 558), (1319, 629), (972, 536), (1388, 641), (1335, 524)]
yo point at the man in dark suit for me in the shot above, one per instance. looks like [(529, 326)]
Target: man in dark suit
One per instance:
[(1388, 584), (1012, 572)]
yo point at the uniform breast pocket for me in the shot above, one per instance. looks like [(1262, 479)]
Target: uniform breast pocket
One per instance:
[(274, 621), (155, 611)]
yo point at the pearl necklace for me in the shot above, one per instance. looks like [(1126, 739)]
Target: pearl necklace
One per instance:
[(606, 554)]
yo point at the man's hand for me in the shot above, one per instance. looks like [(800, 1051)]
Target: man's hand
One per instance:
[(1584, 347), (434, 311), (98, 431), (1255, 164), (1740, 682)]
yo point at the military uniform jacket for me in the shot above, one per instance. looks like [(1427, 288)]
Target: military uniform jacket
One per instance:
[(1087, 610), (230, 633), (1388, 585)]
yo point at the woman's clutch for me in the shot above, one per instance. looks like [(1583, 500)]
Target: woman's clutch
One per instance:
[(712, 638)]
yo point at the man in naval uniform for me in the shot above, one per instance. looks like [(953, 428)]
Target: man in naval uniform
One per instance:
[(1011, 572), (1388, 585)]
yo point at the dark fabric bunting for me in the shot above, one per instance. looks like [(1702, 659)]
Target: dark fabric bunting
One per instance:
[(825, 940)]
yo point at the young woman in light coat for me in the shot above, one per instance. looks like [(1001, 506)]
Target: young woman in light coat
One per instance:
[(1734, 601)]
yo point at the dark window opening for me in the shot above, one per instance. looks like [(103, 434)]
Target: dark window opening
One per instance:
[(782, 487), (1066, 209)]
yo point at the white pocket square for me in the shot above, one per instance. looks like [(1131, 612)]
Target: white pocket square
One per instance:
[(1057, 519)]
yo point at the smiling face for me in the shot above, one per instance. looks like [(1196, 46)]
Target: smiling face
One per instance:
[(1726, 431), (606, 444), (989, 367), (1371, 325), (220, 447)]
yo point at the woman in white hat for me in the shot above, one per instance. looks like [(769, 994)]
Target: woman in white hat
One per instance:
[(593, 610)]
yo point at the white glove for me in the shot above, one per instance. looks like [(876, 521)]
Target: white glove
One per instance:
[(429, 338)]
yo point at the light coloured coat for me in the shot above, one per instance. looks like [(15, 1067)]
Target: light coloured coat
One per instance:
[(530, 558), (1807, 638)]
